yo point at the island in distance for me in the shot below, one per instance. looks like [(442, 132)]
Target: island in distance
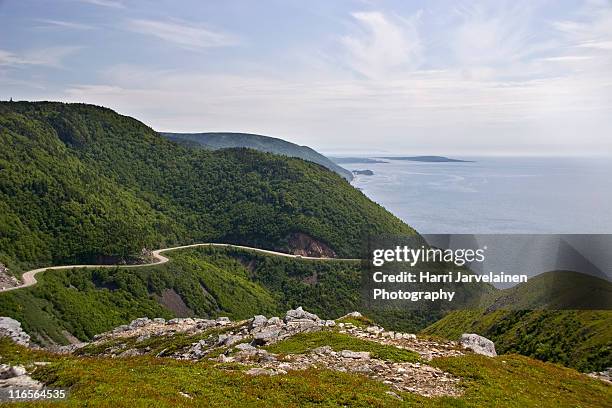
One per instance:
[(362, 160), (363, 172), (427, 159), (377, 160)]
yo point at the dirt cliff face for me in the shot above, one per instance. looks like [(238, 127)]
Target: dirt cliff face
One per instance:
[(303, 244)]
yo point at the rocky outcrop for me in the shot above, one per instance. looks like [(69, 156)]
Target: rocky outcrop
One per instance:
[(12, 328), (244, 342), (427, 349), (478, 344), (7, 280), (412, 377), (605, 375), (304, 245), (17, 377)]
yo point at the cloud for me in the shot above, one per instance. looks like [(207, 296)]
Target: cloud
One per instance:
[(419, 112), (105, 3), (379, 46), (64, 24), (182, 33), (482, 78), (50, 56)]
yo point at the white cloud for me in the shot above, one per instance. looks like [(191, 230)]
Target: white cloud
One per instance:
[(417, 113), (64, 24), (105, 3), (380, 46), (182, 33), (50, 56), (492, 77)]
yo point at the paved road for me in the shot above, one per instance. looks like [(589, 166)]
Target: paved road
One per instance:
[(29, 277)]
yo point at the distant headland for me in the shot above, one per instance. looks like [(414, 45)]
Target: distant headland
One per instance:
[(428, 159)]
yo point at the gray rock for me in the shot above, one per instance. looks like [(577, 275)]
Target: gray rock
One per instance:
[(122, 328), (352, 314), (274, 321), (257, 321), (222, 321), (299, 325), (363, 355), (133, 352), (228, 339), (300, 313), (140, 322), (245, 347), (11, 328), (322, 350), (478, 344), (260, 371), (16, 371), (159, 320), (268, 335), (225, 359)]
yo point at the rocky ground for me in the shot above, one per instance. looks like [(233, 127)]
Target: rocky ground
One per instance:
[(6, 279), (243, 342)]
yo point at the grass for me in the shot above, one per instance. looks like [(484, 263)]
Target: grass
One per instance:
[(510, 381), (585, 343), (155, 345), (303, 342), (361, 321), (519, 381)]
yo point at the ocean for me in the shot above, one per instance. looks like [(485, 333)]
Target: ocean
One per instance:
[(495, 195)]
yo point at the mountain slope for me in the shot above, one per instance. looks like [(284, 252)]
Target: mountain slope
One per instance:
[(185, 364), (581, 339), (203, 282), (258, 142), (82, 183)]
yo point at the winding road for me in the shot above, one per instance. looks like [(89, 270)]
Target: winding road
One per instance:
[(29, 278)]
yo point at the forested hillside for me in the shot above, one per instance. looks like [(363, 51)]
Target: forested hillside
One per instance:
[(526, 319), (225, 140), (204, 282), (83, 183)]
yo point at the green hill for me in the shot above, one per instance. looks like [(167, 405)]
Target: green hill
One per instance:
[(267, 144), (83, 183), (516, 321), (203, 282)]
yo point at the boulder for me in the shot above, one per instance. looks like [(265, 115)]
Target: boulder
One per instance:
[(7, 371), (266, 336), (228, 339), (140, 322), (300, 314), (478, 344), (257, 321), (245, 347), (352, 314), (274, 321), (222, 321), (11, 328), (322, 350), (362, 355)]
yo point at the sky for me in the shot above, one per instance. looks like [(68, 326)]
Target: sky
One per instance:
[(401, 77)]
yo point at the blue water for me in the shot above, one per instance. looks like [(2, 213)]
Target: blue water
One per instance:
[(495, 195)]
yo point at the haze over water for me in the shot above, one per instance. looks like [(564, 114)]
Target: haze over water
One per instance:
[(495, 194)]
